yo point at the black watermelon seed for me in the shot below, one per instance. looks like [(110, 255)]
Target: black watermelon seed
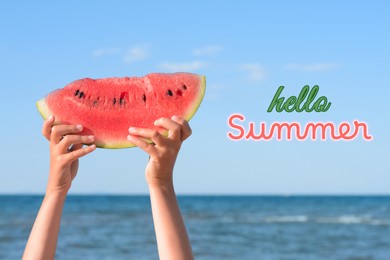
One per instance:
[(144, 97), (121, 101), (95, 103), (169, 92), (81, 95), (114, 101), (184, 87), (77, 92)]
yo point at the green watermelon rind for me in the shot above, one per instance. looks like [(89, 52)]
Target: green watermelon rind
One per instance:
[(199, 99), (45, 112)]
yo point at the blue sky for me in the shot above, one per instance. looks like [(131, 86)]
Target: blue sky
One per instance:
[(246, 51)]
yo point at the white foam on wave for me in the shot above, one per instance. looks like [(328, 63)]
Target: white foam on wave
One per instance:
[(342, 219), (353, 219), (296, 218), (379, 222)]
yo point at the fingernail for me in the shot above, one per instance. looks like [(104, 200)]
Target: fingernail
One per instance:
[(91, 137), (174, 117), (79, 127), (156, 122), (131, 129), (50, 118), (129, 137), (93, 147)]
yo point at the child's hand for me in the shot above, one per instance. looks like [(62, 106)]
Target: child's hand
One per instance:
[(66, 147), (164, 151)]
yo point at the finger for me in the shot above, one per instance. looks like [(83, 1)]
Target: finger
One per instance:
[(70, 140), (58, 131), (75, 147), (141, 143), (174, 129), (74, 155), (151, 134), (46, 128), (186, 130)]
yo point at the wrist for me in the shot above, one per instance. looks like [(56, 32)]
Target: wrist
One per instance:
[(160, 183), (58, 194)]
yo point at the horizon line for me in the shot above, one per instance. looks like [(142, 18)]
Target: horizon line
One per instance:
[(219, 194)]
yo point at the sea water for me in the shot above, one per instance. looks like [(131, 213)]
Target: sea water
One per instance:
[(220, 227)]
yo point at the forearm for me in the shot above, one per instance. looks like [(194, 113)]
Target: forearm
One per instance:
[(172, 239), (44, 234)]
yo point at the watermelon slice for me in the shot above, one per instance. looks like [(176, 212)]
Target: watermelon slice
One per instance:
[(108, 107)]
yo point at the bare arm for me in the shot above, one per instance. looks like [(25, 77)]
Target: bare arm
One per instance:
[(43, 238), (63, 168), (171, 234), (172, 239)]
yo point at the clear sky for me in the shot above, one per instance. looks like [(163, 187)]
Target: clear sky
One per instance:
[(246, 50)]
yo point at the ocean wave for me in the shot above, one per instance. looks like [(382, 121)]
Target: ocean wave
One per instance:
[(342, 219), (345, 219), (353, 219), (297, 218)]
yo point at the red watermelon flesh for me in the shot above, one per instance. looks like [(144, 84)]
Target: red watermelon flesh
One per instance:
[(108, 107)]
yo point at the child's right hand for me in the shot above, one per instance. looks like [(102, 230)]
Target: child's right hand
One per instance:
[(164, 150), (66, 147)]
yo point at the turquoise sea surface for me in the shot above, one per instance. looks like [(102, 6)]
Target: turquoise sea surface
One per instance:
[(220, 227)]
